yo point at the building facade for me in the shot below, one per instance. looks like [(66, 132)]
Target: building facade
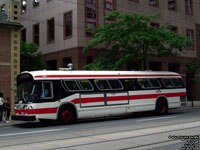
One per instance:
[(10, 50), (58, 28)]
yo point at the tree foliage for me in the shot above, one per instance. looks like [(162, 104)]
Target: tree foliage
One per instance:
[(191, 68), (30, 59), (131, 37)]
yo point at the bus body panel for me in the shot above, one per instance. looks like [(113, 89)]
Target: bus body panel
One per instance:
[(102, 103)]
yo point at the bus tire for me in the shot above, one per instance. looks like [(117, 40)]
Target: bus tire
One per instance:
[(161, 107), (67, 115)]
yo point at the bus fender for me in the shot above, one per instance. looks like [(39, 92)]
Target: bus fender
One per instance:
[(67, 104)]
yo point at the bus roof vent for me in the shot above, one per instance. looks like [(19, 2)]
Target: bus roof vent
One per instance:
[(70, 67)]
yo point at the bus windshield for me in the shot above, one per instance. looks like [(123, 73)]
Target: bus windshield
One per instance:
[(26, 92)]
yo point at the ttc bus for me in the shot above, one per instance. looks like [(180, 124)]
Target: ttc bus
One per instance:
[(70, 95)]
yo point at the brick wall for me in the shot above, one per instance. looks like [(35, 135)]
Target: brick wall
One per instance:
[(5, 81), (5, 53)]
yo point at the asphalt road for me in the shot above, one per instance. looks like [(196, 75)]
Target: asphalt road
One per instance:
[(138, 131)]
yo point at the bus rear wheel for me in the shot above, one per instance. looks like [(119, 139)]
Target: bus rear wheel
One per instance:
[(67, 115), (161, 107)]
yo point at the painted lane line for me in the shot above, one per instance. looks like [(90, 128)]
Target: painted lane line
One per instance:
[(33, 132), (152, 119)]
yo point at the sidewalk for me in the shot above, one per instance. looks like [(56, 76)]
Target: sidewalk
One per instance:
[(189, 106)]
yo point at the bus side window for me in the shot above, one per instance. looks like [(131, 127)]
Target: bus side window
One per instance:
[(71, 85), (167, 83), (102, 84), (47, 90), (144, 83), (115, 84), (177, 82), (85, 85), (155, 83), (130, 84)]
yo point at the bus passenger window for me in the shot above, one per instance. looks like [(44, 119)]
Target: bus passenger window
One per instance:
[(144, 83), (72, 85), (177, 82), (102, 84), (115, 84), (155, 83), (85, 85), (167, 83), (130, 84)]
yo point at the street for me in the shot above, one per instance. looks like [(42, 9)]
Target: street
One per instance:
[(138, 131)]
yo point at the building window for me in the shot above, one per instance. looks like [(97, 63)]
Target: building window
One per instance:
[(154, 3), (50, 30), (109, 6), (23, 35), (67, 24), (23, 6), (188, 7), (36, 3), (172, 5), (90, 60), (52, 64), (154, 24), (36, 34), (66, 61), (3, 7), (90, 14), (173, 29), (190, 35), (155, 66), (174, 67)]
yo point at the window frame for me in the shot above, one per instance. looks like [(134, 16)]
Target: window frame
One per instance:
[(48, 29), (35, 35), (154, 5), (65, 20), (175, 5)]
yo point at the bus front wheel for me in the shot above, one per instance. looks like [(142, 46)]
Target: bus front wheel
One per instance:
[(66, 115), (161, 107)]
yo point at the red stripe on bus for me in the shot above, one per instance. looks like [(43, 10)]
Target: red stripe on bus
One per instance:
[(83, 76), (121, 98), (97, 99), (37, 111)]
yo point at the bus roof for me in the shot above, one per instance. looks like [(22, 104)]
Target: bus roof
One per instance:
[(58, 74)]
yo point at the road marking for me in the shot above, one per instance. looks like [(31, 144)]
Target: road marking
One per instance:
[(158, 118), (32, 132)]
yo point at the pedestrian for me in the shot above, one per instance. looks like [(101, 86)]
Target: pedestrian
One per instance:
[(1, 106), (7, 107)]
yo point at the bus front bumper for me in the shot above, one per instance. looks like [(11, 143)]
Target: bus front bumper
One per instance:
[(23, 118)]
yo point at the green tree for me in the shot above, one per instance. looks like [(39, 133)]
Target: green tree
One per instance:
[(30, 59), (132, 38), (191, 68)]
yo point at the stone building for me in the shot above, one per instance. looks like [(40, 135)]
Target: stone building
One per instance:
[(9, 50), (58, 28)]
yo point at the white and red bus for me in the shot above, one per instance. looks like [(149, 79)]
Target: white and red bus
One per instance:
[(70, 95)]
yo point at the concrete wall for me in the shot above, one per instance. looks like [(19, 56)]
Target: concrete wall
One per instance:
[(41, 14)]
